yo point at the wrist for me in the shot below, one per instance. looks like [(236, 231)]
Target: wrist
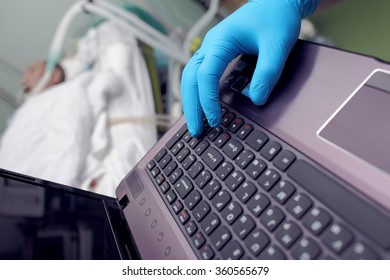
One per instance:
[(304, 7)]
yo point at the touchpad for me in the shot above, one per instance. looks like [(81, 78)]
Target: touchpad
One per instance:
[(361, 126)]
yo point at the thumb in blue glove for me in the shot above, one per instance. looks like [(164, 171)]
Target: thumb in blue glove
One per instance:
[(267, 28)]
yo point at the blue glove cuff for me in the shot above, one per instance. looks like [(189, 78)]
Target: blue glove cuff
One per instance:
[(305, 7)]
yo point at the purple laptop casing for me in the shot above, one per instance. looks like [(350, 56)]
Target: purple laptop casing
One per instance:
[(317, 83)]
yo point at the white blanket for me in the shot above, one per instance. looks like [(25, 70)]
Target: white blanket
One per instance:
[(64, 134)]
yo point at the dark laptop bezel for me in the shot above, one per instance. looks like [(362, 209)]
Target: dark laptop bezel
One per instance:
[(119, 243)]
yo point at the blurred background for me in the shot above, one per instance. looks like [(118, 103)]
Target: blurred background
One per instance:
[(27, 28), (357, 25)]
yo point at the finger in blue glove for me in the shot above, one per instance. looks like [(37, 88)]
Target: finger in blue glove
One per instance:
[(265, 28)]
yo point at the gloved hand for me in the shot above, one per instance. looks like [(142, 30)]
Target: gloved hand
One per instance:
[(267, 28)]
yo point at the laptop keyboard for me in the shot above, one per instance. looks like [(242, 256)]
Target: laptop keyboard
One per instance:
[(238, 192)]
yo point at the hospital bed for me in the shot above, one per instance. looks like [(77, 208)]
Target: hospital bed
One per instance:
[(9, 91), (22, 148)]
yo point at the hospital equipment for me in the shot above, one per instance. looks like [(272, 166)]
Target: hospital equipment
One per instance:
[(179, 54)]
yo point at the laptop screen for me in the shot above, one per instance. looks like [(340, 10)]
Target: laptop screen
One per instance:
[(46, 221)]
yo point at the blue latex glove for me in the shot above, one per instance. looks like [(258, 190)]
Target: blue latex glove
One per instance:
[(268, 28)]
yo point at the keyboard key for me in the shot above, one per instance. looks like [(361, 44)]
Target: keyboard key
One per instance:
[(198, 239), (183, 154), (282, 191), (228, 118), (233, 148), (183, 186), (201, 147), (239, 83), (222, 139), (224, 170), (203, 178), (245, 158), (188, 161), (159, 179), (192, 199), (210, 223), (220, 237), (160, 154), (195, 169), (206, 128), (243, 226), (255, 168), (165, 160), (316, 220), (272, 217), (288, 233), (298, 205), (337, 237), (206, 252), (190, 228), (177, 206), (234, 180), (236, 124), (183, 217), (256, 139), (212, 158), (151, 164), (177, 148), (270, 150), (164, 187), (221, 199), (256, 241), (212, 189), (273, 252), (306, 249), (175, 175), (170, 196), (268, 179), (214, 133), (194, 142), (231, 212), (244, 131), (201, 210), (232, 251), (240, 66), (176, 137), (169, 168), (155, 171), (245, 191), (283, 160), (187, 137), (360, 251), (258, 203)]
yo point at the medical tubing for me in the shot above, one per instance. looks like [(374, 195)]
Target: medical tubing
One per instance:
[(57, 44), (199, 26), (134, 20), (172, 50)]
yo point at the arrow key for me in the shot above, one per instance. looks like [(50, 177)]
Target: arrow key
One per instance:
[(268, 179)]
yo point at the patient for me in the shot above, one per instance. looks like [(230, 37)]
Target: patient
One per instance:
[(84, 124), (34, 73)]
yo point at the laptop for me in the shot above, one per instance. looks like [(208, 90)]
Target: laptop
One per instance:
[(307, 176)]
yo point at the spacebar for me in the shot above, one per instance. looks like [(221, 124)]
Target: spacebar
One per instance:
[(353, 209)]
